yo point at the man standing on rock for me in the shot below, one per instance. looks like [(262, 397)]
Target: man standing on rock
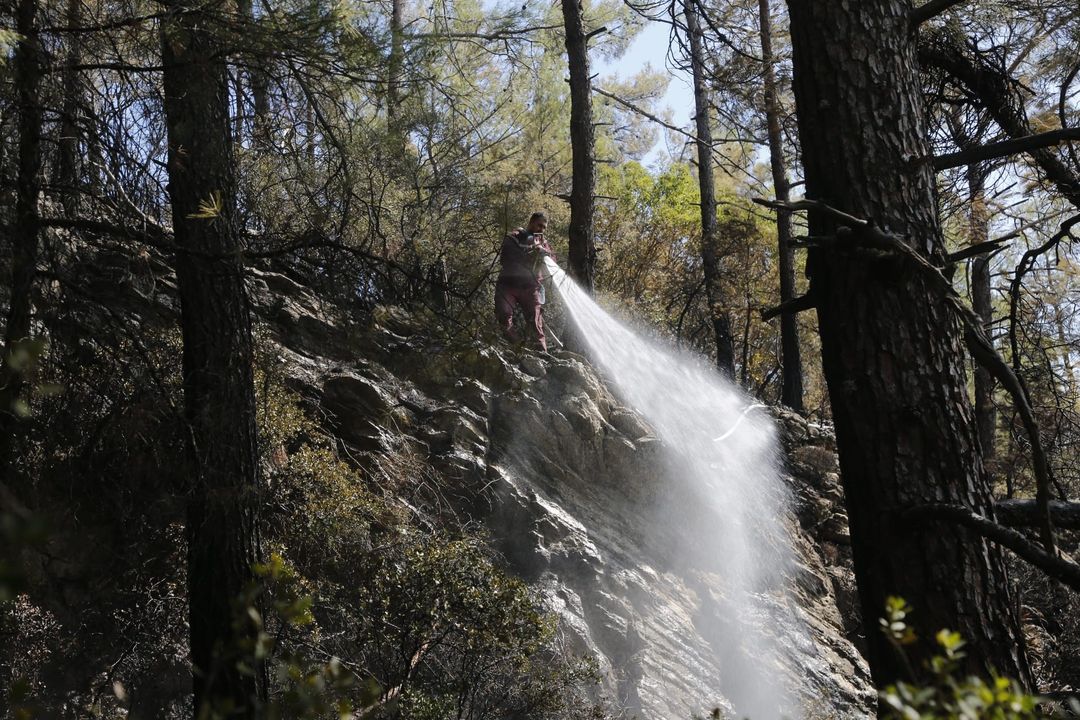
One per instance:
[(521, 278)]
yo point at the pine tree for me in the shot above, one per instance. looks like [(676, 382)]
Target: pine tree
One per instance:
[(891, 346), (219, 399)]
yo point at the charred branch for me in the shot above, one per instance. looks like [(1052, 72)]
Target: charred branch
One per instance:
[(990, 86), (1027, 262), (990, 246), (982, 350), (593, 33)]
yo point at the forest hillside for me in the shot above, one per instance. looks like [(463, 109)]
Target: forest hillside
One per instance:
[(489, 463), (375, 358)]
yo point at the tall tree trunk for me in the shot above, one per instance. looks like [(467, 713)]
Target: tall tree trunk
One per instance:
[(68, 165), (979, 231), (257, 78), (791, 392), (218, 383), (582, 255), (891, 349), (394, 72), (27, 73), (710, 237)]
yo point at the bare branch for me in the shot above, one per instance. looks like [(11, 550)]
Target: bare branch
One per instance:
[(929, 10), (115, 66), (990, 246), (1005, 148), (1027, 262), (1025, 513), (161, 237), (806, 204), (644, 113), (154, 234), (1062, 570), (979, 76), (496, 35), (982, 350), (791, 307)]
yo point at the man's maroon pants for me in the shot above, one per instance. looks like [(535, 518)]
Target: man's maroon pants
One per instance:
[(507, 295)]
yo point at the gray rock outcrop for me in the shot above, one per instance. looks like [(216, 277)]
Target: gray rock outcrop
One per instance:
[(565, 478)]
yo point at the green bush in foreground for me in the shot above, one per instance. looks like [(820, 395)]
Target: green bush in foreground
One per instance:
[(946, 694)]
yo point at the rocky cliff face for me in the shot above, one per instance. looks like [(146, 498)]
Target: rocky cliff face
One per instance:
[(564, 478)]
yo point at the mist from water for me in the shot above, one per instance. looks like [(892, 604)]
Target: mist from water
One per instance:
[(722, 450)]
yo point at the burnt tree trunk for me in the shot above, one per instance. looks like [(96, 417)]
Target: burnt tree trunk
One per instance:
[(791, 391), (710, 236), (218, 383), (582, 251), (27, 72), (981, 303), (891, 348)]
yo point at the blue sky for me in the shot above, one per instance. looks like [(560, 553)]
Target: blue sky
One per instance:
[(650, 48)]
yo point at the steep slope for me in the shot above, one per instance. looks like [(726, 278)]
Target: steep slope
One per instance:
[(565, 480)]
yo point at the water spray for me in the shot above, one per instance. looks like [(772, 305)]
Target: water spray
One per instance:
[(738, 422), (730, 527)]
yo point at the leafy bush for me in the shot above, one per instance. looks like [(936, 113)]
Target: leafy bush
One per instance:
[(944, 694), (364, 591)]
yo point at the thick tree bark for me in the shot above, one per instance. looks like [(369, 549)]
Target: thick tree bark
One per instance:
[(582, 250), (791, 391), (217, 365), (27, 72), (891, 348), (710, 236), (981, 303)]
